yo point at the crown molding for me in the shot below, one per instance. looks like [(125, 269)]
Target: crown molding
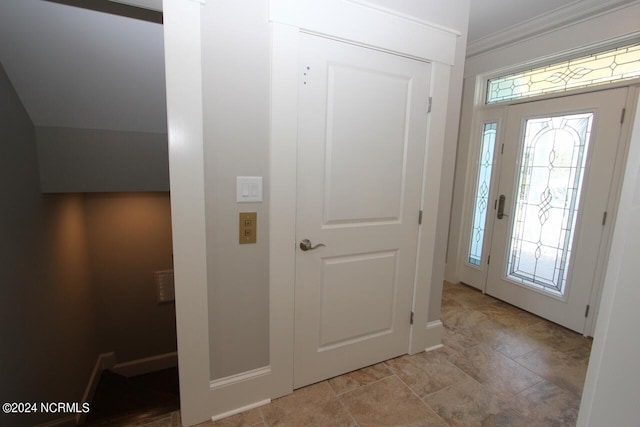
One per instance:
[(572, 13), (377, 27)]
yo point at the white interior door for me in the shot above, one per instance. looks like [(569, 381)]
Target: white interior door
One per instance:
[(555, 180), (362, 135)]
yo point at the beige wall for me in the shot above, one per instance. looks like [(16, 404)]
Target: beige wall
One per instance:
[(47, 323), (129, 238)]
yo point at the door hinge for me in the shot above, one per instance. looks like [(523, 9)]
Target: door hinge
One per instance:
[(604, 218), (489, 260), (502, 149), (586, 312), (411, 319), (624, 111), (429, 104), (420, 218)]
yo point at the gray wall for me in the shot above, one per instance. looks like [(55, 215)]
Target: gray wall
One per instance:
[(93, 160), (129, 238), (47, 322), (236, 79), (449, 162)]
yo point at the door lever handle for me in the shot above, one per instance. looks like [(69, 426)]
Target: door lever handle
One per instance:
[(306, 245), (501, 213)]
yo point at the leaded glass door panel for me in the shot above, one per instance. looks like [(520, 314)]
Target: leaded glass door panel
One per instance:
[(478, 213), (555, 179)]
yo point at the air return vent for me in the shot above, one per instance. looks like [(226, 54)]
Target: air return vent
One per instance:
[(164, 286)]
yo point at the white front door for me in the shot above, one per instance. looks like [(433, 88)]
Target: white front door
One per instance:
[(555, 182), (362, 136)]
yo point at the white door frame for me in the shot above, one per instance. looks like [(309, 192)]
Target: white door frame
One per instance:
[(200, 398), (186, 171)]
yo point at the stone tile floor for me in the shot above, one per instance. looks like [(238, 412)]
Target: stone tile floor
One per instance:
[(500, 366)]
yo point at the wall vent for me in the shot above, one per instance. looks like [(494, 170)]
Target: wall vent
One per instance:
[(164, 286)]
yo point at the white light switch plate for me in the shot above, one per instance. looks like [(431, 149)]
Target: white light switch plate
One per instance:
[(249, 189)]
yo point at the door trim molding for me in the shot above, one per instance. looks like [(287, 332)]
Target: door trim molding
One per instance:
[(403, 35), (613, 207), (282, 204), (183, 64), (428, 274)]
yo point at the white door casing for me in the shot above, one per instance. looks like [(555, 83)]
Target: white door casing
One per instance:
[(362, 134), (586, 251)]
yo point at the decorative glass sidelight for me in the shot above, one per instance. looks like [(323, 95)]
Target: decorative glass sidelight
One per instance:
[(481, 200), (552, 167), (610, 66)]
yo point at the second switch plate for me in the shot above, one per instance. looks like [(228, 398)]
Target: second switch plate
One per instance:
[(248, 227)]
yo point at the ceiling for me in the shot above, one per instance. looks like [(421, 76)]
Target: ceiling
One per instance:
[(491, 16), (80, 68)]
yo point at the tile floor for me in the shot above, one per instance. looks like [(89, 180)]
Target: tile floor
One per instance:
[(499, 366)]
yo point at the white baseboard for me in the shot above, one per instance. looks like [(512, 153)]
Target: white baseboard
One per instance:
[(242, 376), (104, 361), (240, 410), (146, 365), (434, 335)]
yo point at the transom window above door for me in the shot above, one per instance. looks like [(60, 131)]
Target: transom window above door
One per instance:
[(599, 68)]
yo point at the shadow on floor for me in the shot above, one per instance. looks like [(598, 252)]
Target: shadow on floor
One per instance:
[(121, 401)]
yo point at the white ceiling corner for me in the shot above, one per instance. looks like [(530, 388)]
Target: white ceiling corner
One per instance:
[(80, 68), (498, 23)]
